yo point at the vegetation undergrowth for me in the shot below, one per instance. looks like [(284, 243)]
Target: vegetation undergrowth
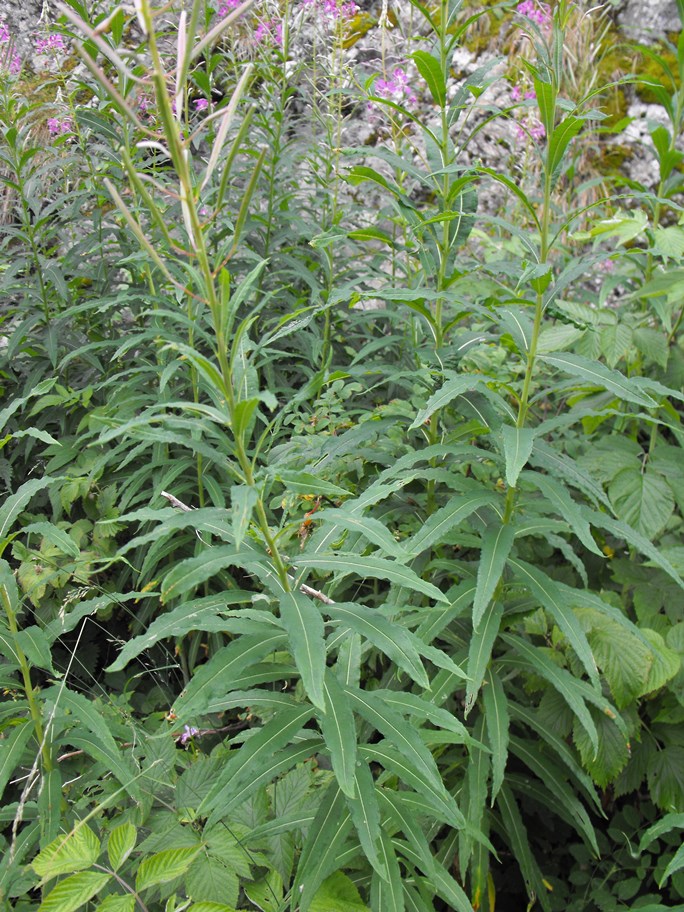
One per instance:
[(341, 555)]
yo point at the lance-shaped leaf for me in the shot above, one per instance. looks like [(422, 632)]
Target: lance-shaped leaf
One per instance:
[(517, 445), (15, 503), (456, 385), (217, 676), (192, 572), (339, 733), (567, 685), (397, 643), (431, 71), (443, 520), (496, 715), (322, 847), (255, 754), (305, 631), (387, 892), (519, 843), (558, 602), (365, 814), (375, 567), (243, 499), (496, 546), (480, 651), (597, 374), (371, 529), (566, 507), (12, 748), (413, 705)]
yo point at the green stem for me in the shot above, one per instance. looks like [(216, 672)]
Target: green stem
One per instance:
[(29, 690)]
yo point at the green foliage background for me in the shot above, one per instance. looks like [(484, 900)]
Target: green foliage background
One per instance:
[(342, 564)]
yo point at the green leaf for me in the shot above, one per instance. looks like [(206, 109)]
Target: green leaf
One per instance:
[(305, 631), (456, 385), (120, 844), (93, 736), (371, 529), (604, 763), (375, 567), (666, 777), (558, 602), (365, 815), (243, 499), (197, 614), (12, 747), (192, 572), (443, 520), (117, 903), (664, 825), (216, 676), (569, 687), (643, 499), (34, 643), (675, 864), (480, 651), (210, 907), (212, 880), (68, 853), (74, 892), (164, 866), (15, 503), (616, 341), (519, 843), (55, 536), (431, 71), (559, 140), (565, 506), (324, 841), (666, 662), (256, 755), (387, 894), (337, 893), (496, 546), (597, 374), (496, 715), (624, 660), (306, 483), (517, 444), (397, 643), (339, 732)]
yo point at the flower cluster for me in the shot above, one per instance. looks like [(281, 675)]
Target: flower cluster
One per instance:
[(334, 9), (10, 61), (201, 104), (269, 29), (529, 127), (189, 732), (396, 89), (58, 127), (50, 44), (517, 94), (536, 12), (226, 6)]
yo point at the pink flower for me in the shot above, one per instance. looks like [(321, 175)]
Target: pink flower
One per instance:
[(516, 93), (226, 7), (14, 67), (531, 95), (334, 9), (51, 43), (396, 89), (201, 104), (269, 30), (536, 12), (189, 732), (4, 33), (58, 127), (529, 128), (144, 103)]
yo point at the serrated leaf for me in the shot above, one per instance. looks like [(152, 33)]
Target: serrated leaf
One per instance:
[(624, 660), (164, 866), (456, 385), (211, 881), (496, 546), (597, 374), (643, 499), (443, 520), (375, 567), (305, 632), (666, 662), (616, 341), (339, 733), (517, 444), (68, 853), (666, 777), (606, 762), (496, 716), (73, 892), (117, 903), (34, 643), (120, 844), (397, 643), (210, 907)]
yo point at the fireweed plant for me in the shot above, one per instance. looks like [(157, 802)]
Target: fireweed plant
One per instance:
[(341, 551)]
